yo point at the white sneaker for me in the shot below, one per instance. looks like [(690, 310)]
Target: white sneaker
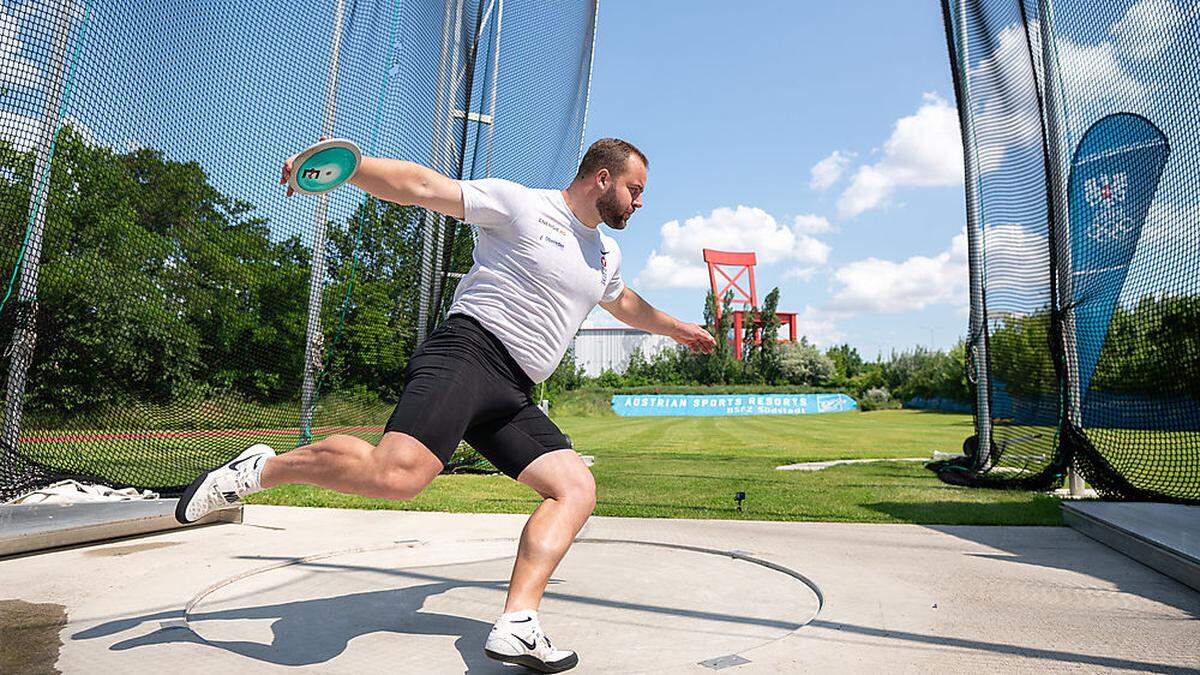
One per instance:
[(224, 485), (521, 641)]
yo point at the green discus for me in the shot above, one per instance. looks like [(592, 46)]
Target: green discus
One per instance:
[(324, 166)]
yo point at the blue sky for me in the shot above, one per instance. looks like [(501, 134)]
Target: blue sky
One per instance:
[(823, 136), (735, 103)]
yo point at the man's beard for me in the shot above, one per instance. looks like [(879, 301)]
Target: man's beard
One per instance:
[(609, 206)]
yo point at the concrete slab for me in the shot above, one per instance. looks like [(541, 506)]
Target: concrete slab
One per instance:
[(34, 527), (819, 466), (1163, 536), (373, 592)]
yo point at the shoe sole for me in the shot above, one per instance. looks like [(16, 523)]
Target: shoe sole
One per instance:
[(181, 507), (535, 663)]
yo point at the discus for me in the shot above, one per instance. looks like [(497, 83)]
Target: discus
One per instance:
[(324, 166)]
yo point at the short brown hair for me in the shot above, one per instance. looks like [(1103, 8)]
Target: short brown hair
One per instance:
[(608, 153)]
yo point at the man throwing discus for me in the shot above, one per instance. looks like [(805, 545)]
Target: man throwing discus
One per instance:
[(541, 264)]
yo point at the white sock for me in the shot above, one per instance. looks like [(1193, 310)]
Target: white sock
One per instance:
[(255, 484), (524, 617), (249, 477)]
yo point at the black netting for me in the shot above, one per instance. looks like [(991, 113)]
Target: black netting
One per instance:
[(158, 318), (1084, 216)]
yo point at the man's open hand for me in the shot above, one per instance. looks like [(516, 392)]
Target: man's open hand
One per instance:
[(287, 171), (694, 337)]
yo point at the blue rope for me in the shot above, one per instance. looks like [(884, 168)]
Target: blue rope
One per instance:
[(372, 148), (43, 184)]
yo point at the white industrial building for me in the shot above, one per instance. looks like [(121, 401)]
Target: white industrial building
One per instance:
[(598, 349)]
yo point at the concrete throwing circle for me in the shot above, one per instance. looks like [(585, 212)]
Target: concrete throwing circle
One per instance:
[(624, 606)]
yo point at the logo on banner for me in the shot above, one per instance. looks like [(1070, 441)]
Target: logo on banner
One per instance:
[(1105, 194)]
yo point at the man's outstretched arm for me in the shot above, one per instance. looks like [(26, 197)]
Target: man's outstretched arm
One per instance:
[(401, 182), (631, 309), (408, 183)]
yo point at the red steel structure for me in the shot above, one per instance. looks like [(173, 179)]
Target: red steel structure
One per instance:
[(740, 264)]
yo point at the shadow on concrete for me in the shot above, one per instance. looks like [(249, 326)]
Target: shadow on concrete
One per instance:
[(310, 632), (1072, 551), (1054, 658), (565, 597)]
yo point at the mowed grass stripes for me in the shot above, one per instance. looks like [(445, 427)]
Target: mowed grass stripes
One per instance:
[(692, 467)]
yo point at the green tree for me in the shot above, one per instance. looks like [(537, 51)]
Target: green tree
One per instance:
[(153, 286), (1019, 353), (802, 363), (371, 303), (846, 360), (719, 367), (760, 360), (1153, 348)]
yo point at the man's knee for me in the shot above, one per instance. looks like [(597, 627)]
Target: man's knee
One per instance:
[(403, 467), (400, 484), (579, 489)]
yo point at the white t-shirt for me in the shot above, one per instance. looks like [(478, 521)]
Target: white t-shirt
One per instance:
[(538, 271)]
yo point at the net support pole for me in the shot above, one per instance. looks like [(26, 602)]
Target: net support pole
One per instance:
[(314, 339), (25, 335), (448, 158), (491, 116), (1060, 237), (587, 95), (975, 245), (495, 7), (432, 225)]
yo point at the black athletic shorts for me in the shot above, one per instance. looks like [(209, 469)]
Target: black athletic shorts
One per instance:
[(462, 384)]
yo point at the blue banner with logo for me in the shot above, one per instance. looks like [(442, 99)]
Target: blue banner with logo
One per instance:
[(722, 405), (1114, 176)]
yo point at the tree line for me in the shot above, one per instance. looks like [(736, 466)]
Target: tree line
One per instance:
[(882, 383), (156, 287)]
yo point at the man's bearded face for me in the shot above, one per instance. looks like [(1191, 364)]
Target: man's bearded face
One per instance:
[(613, 210)]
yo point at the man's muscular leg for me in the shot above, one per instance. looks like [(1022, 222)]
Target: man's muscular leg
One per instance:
[(399, 467), (569, 494)]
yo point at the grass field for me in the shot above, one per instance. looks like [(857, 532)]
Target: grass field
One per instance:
[(692, 467)]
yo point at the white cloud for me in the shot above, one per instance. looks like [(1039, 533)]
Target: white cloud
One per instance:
[(811, 224), (818, 326), (1094, 73), (24, 131), (884, 286), (827, 171), (14, 69), (1008, 122), (130, 146), (1017, 262), (664, 271), (1168, 245), (804, 274), (924, 150), (810, 250), (1147, 29), (20, 130), (679, 261), (87, 135)]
